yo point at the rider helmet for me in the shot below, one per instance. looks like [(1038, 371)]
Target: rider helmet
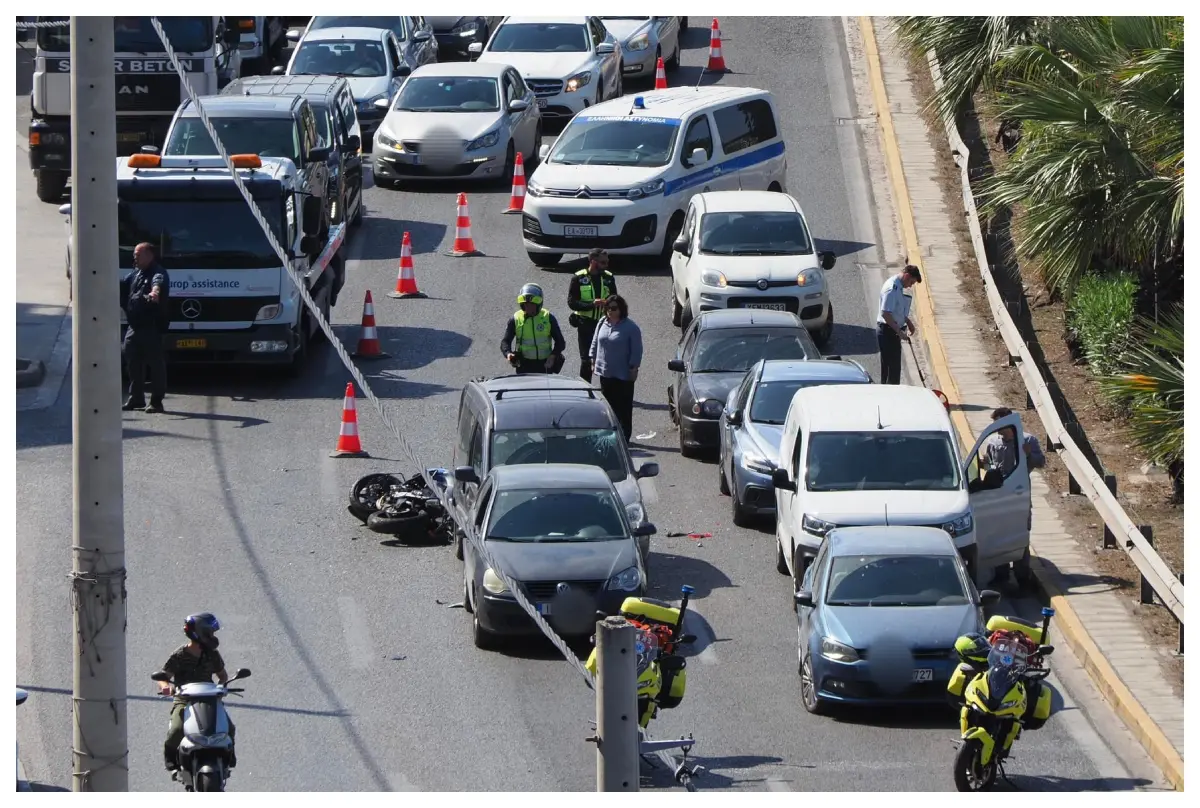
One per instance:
[(530, 293), (973, 648), (202, 628)]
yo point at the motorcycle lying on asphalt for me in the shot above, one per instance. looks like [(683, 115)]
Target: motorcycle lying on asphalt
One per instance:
[(407, 509), (1000, 688), (206, 752)]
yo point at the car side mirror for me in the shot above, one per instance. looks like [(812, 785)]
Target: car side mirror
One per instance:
[(65, 210), (402, 71), (647, 470), (677, 365), (645, 529), (310, 245), (733, 417), (518, 105), (697, 158), (319, 154), (466, 474), (382, 104), (682, 245), (353, 143), (242, 673), (605, 47), (989, 597), (803, 598), (421, 36), (828, 259), (543, 152), (779, 479), (312, 210), (277, 70), (160, 676), (1045, 650), (475, 47), (294, 35)]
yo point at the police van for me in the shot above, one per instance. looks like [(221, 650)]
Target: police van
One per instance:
[(621, 174)]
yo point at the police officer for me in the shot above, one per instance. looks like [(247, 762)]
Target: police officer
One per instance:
[(892, 325), (533, 342), (148, 316), (590, 290)]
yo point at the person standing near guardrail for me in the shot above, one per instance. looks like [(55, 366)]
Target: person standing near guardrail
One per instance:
[(892, 324), (997, 450), (148, 315)]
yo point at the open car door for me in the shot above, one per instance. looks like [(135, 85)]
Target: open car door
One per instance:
[(999, 494)]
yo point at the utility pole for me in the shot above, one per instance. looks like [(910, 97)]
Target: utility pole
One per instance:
[(617, 758), (101, 746)]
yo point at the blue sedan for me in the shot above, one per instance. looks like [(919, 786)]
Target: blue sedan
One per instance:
[(752, 424), (878, 612)]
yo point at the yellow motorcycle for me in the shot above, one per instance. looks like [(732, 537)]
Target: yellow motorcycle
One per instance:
[(999, 685)]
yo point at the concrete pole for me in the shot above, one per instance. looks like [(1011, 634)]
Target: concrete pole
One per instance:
[(98, 571), (617, 758)]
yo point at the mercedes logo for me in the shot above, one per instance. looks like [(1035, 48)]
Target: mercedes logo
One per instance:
[(190, 309), (763, 284), (584, 192), (562, 589)]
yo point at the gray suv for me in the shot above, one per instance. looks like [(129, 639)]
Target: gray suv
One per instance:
[(519, 420)]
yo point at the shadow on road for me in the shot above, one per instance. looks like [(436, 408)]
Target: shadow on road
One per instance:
[(842, 249), (1024, 782), (902, 717), (669, 572), (851, 340), (379, 238)]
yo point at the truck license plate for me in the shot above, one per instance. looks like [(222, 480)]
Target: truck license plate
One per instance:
[(543, 609), (768, 306), (923, 675), (575, 231), (191, 343), (542, 103)]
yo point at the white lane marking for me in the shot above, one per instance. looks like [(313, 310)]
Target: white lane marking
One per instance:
[(358, 636), (21, 144), (399, 782), (778, 784)]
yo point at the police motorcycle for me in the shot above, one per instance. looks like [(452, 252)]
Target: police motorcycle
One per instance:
[(1000, 688), (206, 751), (661, 672)]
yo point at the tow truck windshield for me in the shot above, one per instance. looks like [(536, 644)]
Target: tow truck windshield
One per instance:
[(136, 35), (199, 234), (266, 137)]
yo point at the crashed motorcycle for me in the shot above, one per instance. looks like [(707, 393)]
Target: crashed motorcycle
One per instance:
[(1000, 689), (407, 509), (206, 752)]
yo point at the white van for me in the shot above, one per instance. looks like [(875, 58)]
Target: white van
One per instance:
[(888, 455), (621, 174)]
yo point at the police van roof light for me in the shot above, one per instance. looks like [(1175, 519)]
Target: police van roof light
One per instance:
[(144, 161), (639, 103), (246, 161)]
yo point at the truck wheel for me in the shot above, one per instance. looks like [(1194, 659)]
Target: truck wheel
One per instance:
[(51, 184), (358, 212), (300, 358)]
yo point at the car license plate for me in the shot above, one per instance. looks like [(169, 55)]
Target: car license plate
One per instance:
[(543, 609), (542, 103), (191, 343), (923, 675), (768, 306), (576, 231)]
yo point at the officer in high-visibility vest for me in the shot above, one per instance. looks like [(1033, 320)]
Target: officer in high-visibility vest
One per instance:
[(590, 290), (533, 342)]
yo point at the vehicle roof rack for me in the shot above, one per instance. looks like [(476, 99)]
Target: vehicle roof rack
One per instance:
[(591, 391)]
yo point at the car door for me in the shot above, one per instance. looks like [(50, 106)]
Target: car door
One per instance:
[(814, 582), (711, 176), (668, 35), (679, 261), (791, 452), (351, 159), (522, 123), (397, 60), (609, 63), (423, 41), (1001, 513), (686, 350), (471, 559)]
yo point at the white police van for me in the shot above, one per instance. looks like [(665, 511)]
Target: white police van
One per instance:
[(621, 174)]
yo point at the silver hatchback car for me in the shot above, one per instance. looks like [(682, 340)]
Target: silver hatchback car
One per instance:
[(752, 424)]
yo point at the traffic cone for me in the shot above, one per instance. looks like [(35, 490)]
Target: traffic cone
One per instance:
[(716, 62), (348, 444), (464, 245), (406, 282), (517, 203), (660, 75), (368, 342)]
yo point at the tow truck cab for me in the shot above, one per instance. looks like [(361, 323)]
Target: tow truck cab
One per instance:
[(231, 299)]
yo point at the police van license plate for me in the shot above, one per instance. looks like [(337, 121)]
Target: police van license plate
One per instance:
[(768, 306), (576, 231), (191, 343), (543, 609), (542, 103), (923, 675)]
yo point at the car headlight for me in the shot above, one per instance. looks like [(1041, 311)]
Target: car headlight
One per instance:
[(710, 408), (388, 142), (756, 462), (484, 141), (649, 189), (533, 188), (838, 652), (578, 81), (269, 312), (466, 28), (219, 739), (638, 43), (815, 526), (710, 277), (635, 513), (960, 526), (809, 277), (627, 580), (369, 104), (492, 582)]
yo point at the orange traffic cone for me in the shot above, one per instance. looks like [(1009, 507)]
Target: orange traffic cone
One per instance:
[(464, 245), (368, 342), (406, 282), (660, 75), (348, 444), (716, 62), (517, 203)]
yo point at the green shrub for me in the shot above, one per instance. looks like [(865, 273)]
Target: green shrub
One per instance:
[(1100, 316)]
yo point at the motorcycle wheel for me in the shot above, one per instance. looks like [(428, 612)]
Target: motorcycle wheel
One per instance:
[(209, 781), (969, 775), (414, 524), (367, 491)]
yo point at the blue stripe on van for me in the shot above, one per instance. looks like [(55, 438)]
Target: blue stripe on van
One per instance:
[(738, 163)]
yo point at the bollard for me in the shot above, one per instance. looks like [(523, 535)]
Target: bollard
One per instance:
[(1147, 593), (618, 766), (1110, 541)]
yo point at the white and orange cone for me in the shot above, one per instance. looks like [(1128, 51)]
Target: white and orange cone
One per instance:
[(368, 341), (716, 62), (406, 281), (348, 444), (660, 75), (464, 245), (517, 203)]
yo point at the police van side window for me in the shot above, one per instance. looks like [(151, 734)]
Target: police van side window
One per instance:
[(698, 136), (744, 125)]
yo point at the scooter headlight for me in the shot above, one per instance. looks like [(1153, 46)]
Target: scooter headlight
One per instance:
[(219, 739)]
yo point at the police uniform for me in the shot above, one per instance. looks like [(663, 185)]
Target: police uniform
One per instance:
[(893, 300), (534, 340), (580, 299)]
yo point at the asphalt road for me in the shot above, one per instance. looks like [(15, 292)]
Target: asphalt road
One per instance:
[(364, 678)]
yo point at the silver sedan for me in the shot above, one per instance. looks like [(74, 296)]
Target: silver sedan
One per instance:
[(752, 425), (644, 39), (457, 120)]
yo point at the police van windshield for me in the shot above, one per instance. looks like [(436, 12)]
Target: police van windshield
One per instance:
[(199, 234), (616, 140), (449, 94), (754, 233), (266, 137), (136, 35), (343, 57), (881, 461), (588, 447)]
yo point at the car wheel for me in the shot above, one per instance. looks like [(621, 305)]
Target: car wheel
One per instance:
[(672, 64), (674, 228), (545, 260), (775, 188), (484, 639), (358, 212), (722, 480), (1023, 571), (741, 517), (619, 90), (599, 92), (687, 318), (684, 449), (510, 162), (51, 185), (458, 544), (808, 690), (780, 559), (468, 607), (676, 309), (825, 334), (532, 162)]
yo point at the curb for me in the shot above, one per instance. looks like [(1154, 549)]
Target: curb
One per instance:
[(30, 373), (1106, 680)]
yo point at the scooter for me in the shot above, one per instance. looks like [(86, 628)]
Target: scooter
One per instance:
[(206, 751)]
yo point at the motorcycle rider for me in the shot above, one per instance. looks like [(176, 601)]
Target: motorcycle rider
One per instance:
[(196, 661), (533, 342)]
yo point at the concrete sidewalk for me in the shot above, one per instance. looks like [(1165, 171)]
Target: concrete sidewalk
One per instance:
[(1111, 643)]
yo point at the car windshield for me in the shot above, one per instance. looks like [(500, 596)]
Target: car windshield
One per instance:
[(266, 137), (588, 447), (136, 35), (393, 24), (342, 57), (735, 350), (449, 94), (199, 234), (555, 515), (540, 37), (881, 461), (616, 140), (895, 580), (754, 233), (772, 399)]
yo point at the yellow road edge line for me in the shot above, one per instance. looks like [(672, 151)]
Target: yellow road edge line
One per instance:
[(1107, 681)]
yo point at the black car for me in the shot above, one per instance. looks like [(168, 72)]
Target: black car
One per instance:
[(455, 35), (714, 354), (337, 126)]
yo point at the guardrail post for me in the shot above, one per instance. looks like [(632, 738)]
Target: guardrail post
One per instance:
[(1147, 593), (1110, 541), (618, 766), (1073, 488), (1028, 401), (1180, 624)]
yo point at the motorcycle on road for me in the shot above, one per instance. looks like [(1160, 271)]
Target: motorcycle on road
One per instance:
[(206, 752)]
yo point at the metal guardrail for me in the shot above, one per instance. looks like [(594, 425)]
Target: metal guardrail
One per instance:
[(1153, 569)]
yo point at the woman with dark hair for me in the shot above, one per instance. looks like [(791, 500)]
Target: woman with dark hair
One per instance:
[(616, 354)]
